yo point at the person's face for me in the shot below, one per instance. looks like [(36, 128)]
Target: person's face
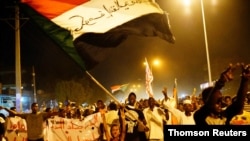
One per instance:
[(145, 103), (228, 101), (132, 100), (188, 107), (34, 108), (246, 100), (217, 107), (60, 105), (151, 102), (181, 107), (67, 108), (115, 131), (100, 105)]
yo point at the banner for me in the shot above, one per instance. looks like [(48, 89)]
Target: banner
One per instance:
[(61, 129)]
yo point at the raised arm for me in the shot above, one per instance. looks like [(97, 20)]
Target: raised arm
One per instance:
[(165, 94), (212, 96), (123, 124), (106, 132), (10, 111), (226, 76), (238, 105)]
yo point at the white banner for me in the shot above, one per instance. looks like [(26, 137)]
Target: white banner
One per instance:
[(62, 129)]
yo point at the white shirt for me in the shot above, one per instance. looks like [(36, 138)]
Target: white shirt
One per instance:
[(181, 116), (154, 122)]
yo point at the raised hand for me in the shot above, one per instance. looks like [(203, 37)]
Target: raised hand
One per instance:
[(165, 93), (122, 108), (245, 71), (227, 75)]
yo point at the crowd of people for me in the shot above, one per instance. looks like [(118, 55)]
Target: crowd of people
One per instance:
[(145, 120)]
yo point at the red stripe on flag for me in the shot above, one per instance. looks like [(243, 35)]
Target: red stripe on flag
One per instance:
[(119, 87), (115, 88), (52, 8)]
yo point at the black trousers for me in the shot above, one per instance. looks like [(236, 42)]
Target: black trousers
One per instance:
[(37, 139)]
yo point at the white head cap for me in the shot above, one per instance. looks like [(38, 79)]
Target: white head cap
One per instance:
[(187, 101)]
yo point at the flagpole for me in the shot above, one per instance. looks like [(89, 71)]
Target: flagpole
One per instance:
[(101, 86), (116, 100)]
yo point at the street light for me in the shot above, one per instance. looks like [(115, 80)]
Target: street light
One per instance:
[(155, 62), (186, 2), (206, 44)]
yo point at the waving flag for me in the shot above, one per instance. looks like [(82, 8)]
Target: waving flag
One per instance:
[(115, 88), (94, 27), (149, 80)]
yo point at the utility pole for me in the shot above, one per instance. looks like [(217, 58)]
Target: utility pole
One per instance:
[(18, 61), (34, 83), (206, 44), (16, 27)]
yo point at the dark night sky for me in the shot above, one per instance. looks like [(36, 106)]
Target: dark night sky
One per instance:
[(228, 33)]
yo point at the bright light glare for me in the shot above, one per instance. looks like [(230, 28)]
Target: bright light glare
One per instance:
[(156, 62), (187, 6), (214, 2), (186, 3), (183, 95)]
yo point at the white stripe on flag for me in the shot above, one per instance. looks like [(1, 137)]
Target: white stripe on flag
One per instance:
[(99, 16)]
